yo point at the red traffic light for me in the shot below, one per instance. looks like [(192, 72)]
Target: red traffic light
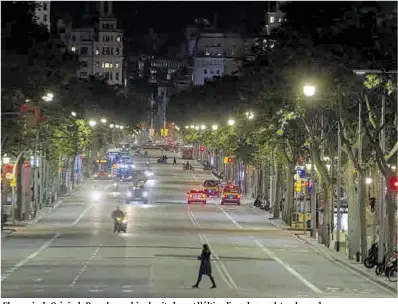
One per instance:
[(393, 183), (202, 149), (24, 108), (230, 159)]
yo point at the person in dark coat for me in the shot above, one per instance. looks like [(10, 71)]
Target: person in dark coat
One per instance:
[(205, 266)]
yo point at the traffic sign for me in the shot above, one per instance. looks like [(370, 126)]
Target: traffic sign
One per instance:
[(9, 175)]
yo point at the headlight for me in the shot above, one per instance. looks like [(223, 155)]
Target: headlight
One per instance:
[(124, 221), (96, 195), (132, 166), (150, 174), (144, 194), (129, 194), (109, 175), (130, 176), (115, 185)]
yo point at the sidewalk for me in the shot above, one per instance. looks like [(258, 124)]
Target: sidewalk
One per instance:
[(46, 210), (339, 258)]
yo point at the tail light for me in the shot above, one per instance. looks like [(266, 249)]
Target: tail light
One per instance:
[(224, 195), (203, 196), (238, 196), (190, 195)]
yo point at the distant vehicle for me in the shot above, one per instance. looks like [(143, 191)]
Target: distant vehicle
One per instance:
[(102, 169), (187, 152), (231, 195), (197, 196), (137, 194), (211, 188)]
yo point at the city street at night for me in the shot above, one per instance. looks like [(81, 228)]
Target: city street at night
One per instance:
[(73, 251)]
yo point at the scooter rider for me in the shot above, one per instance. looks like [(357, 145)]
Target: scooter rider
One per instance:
[(115, 214)]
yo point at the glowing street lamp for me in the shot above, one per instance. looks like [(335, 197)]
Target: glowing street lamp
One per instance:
[(92, 123), (103, 120), (214, 127), (186, 127), (111, 126), (309, 90), (249, 115), (202, 127), (192, 127), (121, 127), (197, 128), (231, 122), (73, 114), (117, 126), (368, 180), (48, 97)]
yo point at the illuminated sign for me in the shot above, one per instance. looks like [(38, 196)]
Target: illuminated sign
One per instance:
[(101, 161)]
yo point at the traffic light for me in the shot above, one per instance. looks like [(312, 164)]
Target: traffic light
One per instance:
[(24, 109), (393, 183), (202, 149), (230, 159)]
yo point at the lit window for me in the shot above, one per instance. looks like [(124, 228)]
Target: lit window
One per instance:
[(117, 65), (111, 65), (96, 52), (103, 65), (271, 19), (73, 49), (107, 65), (118, 39), (207, 53), (280, 20)]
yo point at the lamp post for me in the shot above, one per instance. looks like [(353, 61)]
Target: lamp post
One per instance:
[(214, 127), (231, 122)]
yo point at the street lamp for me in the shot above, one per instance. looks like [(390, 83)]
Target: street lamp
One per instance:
[(103, 120), (73, 114), (92, 123), (186, 127), (6, 160), (214, 127), (368, 180), (121, 127), (202, 127), (192, 127), (197, 128), (231, 122), (48, 97), (111, 126), (309, 90), (249, 115), (117, 126)]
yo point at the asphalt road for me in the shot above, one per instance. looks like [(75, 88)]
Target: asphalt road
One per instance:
[(73, 252)]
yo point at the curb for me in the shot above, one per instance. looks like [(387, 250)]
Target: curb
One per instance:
[(7, 233), (36, 220), (330, 256)]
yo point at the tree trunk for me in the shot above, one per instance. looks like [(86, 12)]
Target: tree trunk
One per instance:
[(362, 216), (328, 223), (288, 206), (278, 190), (391, 229), (72, 172), (353, 210)]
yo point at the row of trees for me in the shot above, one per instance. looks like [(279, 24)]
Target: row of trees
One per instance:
[(321, 46), (37, 64)]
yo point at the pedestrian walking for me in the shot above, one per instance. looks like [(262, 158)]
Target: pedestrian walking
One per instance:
[(175, 161), (205, 266)]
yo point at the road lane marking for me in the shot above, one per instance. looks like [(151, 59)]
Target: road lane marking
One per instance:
[(278, 260), (230, 218), (81, 215), (85, 265), (31, 256), (289, 268), (219, 264)]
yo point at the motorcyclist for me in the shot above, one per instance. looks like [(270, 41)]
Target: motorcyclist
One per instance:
[(146, 154), (115, 214)]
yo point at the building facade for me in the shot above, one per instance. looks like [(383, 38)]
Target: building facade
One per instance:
[(43, 14), (217, 55), (273, 17), (100, 48)]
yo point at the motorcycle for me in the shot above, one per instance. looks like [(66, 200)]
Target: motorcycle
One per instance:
[(137, 194), (162, 161), (121, 224), (190, 167)]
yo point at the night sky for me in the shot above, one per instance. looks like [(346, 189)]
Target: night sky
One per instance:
[(136, 18)]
